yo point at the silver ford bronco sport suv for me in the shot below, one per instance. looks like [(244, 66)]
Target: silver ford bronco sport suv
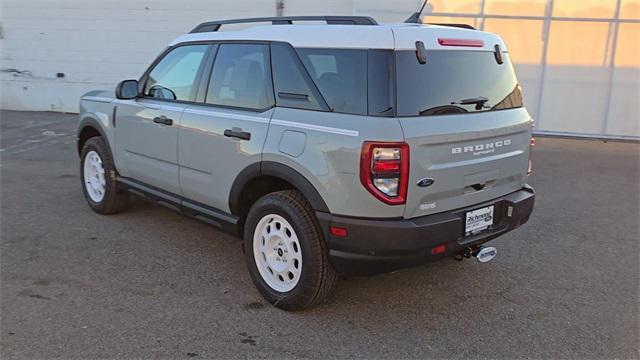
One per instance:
[(346, 148)]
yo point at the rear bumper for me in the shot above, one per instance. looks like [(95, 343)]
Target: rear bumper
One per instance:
[(375, 246)]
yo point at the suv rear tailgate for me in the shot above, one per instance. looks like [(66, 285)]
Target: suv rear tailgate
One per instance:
[(471, 158)]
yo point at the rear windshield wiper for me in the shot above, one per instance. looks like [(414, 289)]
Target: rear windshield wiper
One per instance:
[(479, 101), (443, 110)]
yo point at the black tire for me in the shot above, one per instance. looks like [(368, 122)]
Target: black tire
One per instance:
[(114, 200), (317, 277)]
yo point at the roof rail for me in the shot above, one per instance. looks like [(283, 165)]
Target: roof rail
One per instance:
[(211, 26), (462, 26)]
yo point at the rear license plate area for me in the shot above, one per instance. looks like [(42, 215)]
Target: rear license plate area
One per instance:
[(479, 220)]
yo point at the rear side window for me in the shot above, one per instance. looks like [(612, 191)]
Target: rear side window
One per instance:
[(241, 77), (454, 82), (341, 77), (292, 87), (380, 83), (173, 77)]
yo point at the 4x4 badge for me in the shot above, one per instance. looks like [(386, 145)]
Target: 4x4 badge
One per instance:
[(425, 182)]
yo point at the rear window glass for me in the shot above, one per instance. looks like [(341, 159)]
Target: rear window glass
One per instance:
[(453, 82), (341, 77)]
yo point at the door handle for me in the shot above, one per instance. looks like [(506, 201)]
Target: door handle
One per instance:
[(163, 120), (237, 133)]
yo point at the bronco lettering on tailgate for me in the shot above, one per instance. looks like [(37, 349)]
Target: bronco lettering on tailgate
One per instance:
[(481, 149)]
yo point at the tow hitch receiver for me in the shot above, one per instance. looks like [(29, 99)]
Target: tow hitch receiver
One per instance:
[(485, 254), (481, 253)]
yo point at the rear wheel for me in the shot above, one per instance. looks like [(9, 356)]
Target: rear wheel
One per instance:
[(98, 175), (286, 253)]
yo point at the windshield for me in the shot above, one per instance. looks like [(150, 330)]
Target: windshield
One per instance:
[(454, 82)]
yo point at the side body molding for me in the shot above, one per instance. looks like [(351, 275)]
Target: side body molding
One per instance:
[(277, 170)]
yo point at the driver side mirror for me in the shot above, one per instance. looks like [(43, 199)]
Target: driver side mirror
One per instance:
[(127, 89)]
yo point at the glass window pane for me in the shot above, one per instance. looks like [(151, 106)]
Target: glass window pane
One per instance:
[(454, 82), (451, 20), (630, 9), (341, 77), (624, 111), (628, 52), (460, 6), (380, 84), (577, 43), (241, 77), (173, 77), (514, 7), (576, 84), (292, 89), (384, 11), (584, 8)]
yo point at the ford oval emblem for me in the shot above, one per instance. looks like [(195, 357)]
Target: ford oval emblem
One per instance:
[(425, 182)]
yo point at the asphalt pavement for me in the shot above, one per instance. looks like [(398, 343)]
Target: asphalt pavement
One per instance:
[(151, 283)]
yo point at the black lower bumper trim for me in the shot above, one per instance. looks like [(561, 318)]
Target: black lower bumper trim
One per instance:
[(375, 246)]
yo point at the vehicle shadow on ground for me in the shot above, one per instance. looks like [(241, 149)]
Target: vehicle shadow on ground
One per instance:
[(404, 288)]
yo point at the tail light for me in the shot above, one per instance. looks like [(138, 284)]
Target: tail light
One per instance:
[(338, 231), (532, 143), (384, 170), (440, 249)]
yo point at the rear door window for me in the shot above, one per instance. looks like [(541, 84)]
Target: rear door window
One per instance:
[(241, 77), (341, 77)]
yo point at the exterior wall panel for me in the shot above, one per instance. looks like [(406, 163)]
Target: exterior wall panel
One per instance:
[(585, 81)]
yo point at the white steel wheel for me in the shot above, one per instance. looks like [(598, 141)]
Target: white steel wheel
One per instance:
[(94, 180), (277, 253)]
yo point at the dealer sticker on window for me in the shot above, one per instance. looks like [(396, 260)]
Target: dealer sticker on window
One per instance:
[(478, 220)]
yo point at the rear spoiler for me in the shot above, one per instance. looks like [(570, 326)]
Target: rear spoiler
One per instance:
[(462, 26)]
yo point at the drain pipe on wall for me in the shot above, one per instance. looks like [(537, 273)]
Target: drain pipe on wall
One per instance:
[(279, 7)]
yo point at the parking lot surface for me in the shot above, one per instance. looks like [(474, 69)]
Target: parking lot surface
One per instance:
[(151, 283)]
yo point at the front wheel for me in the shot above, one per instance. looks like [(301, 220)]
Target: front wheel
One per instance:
[(98, 175), (286, 253)]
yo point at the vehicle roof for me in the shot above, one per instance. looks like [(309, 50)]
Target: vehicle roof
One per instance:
[(386, 36)]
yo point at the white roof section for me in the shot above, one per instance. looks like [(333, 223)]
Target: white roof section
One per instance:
[(319, 36), (406, 37), (386, 36)]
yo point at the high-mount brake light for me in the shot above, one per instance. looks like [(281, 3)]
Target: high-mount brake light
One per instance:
[(460, 42), (384, 170)]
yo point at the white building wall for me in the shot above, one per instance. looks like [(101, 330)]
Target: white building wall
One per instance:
[(94, 44)]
